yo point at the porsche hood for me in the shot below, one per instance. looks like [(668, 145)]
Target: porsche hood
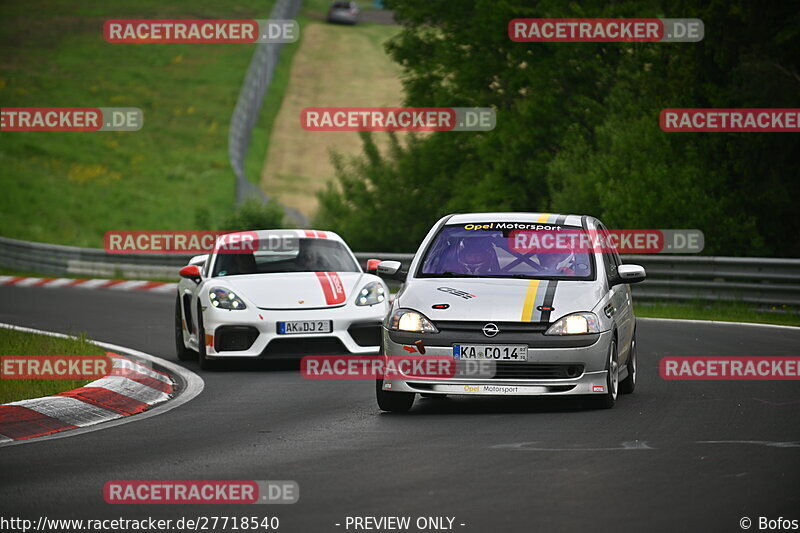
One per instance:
[(298, 290)]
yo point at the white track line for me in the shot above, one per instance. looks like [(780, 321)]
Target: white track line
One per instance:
[(58, 282), (91, 283), (721, 323), (128, 285), (27, 282), (131, 389), (108, 284), (69, 410)]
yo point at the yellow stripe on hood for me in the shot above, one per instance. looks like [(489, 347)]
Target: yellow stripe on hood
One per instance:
[(530, 300)]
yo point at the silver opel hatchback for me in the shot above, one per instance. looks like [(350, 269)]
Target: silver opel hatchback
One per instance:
[(518, 316)]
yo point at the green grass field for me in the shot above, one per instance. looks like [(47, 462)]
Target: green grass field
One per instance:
[(335, 66), (71, 187), (723, 311), (23, 343)]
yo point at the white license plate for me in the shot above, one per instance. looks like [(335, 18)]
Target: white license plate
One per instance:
[(296, 327), (491, 352)]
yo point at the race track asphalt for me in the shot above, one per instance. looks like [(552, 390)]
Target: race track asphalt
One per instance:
[(495, 464)]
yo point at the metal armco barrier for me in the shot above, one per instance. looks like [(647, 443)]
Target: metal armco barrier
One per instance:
[(669, 277), (55, 259), (674, 277)]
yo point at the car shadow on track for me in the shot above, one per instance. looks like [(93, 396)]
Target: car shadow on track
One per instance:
[(498, 405), (248, 365)]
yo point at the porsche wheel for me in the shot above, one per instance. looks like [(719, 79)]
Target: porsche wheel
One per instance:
[(183, 353), (205, 362)]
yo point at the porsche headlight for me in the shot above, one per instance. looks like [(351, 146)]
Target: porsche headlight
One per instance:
[(372, 293), (225, 299), (575, 324), (408, 320)]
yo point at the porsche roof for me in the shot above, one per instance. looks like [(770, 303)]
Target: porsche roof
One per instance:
[(299, 233)]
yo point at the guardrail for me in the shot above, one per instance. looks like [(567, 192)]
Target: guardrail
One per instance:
[(248, 106), (669, 277), (56, 259)]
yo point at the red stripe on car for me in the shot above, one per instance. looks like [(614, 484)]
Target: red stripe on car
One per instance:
[(332, 287)]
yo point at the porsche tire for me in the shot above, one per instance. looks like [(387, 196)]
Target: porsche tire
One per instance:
[(205, 362), (183, 353)]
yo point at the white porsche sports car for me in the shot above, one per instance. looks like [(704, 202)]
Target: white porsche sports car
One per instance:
[(530, 320), (289, 293)]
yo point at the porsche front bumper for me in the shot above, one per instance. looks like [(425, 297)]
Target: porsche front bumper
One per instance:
[(259, 327)]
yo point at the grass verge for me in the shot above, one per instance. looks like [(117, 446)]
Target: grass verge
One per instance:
[(14, 342), (332, 66), (72, 187), (723, 311)]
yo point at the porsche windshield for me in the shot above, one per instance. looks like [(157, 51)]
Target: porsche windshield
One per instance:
[(484, 250), (310, 255)]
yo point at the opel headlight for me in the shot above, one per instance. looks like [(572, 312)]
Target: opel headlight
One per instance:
[(225, 299), (408, 320), (575, 324), (372, 293)]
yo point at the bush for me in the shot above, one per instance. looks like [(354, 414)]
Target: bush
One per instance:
[(253, 215)]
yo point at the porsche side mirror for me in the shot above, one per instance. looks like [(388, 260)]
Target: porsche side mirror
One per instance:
[(199, 260), (372, 265), (191, 272)]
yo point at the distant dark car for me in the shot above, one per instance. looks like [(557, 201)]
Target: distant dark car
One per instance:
[(343, 13)]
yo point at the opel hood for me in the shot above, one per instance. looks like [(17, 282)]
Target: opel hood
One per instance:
[(499, 300)]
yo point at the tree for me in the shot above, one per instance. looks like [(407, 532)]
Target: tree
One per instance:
[(577, 126)]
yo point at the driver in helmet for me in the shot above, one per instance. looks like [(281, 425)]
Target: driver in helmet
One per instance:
[(309, 260), (557, 263), (476, 256)]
